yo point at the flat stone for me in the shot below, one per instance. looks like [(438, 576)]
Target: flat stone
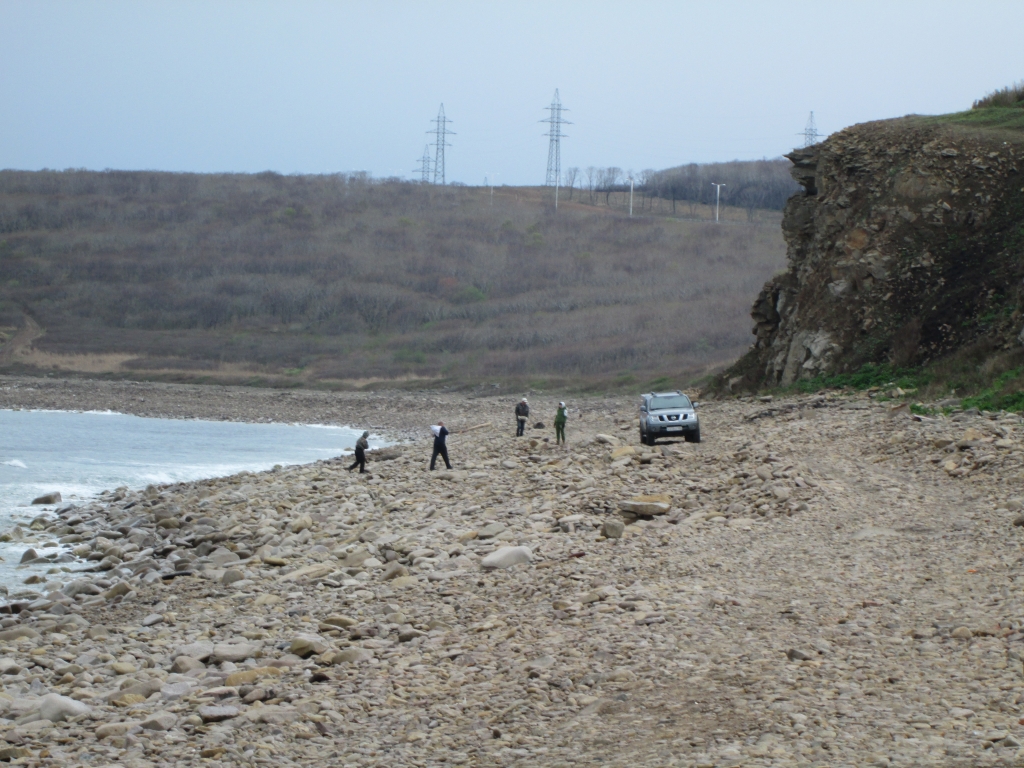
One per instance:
[(307, 645), (216, 714), (247, 676), (645, 508), (116, 729), (160, 721), (57, 708), (351, 655), (200, 651), (490, 531), (234, 651), (394, 570), (506, 557)]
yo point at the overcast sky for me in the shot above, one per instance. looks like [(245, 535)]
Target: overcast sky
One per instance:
[(322, 87)]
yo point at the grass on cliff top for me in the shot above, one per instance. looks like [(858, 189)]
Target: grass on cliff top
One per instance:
[(1004, 118)]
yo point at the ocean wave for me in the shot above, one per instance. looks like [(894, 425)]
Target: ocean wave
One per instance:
[(15, 463)]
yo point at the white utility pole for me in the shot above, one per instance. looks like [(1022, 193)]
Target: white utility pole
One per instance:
[(718, 195), (488, 181), (630, 197)]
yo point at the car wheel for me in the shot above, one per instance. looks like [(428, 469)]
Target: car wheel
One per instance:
[(693, 437), (650, 439), (643, 437)]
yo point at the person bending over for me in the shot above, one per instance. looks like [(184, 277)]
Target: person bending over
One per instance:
[(361, 448)]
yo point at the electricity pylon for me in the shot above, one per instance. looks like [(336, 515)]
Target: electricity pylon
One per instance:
[(555, 122), (440, 132), (424, 169), (810, 133)]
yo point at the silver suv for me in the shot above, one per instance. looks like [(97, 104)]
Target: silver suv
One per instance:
[(668, 414)]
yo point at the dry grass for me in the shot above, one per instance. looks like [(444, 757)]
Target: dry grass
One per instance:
[(339, 278)]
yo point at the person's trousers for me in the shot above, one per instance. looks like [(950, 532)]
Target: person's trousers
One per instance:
[(443, 453), (359, 462), (520, 426), (559, 433)]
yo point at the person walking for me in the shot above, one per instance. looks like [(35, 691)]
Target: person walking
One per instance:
[(440, 449), (561, 416), (362, 446), (522, 414)]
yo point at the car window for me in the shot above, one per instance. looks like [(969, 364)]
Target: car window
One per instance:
[(669, 401)]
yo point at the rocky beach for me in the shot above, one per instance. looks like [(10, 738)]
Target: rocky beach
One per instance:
[(826, 580)]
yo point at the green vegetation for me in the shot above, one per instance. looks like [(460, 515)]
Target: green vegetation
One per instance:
[(978, 385), (1005, 394), (867, 377), (1010, 118)]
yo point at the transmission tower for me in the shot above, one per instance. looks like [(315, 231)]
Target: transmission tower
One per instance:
[(811, 134), (555, 123), (440, 133), (424, 169)]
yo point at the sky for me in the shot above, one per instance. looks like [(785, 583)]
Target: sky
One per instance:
[(328, 87)]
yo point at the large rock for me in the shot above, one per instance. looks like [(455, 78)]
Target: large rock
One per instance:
[(160, 721), (199, 651), (490, 531), (307, 645), (57, 708), (351, 655), (215, 714), (115, 729), (234, 652), (649, 506), (506, 557), (394, 570), (48, 498), (248, 676), (612, 528)]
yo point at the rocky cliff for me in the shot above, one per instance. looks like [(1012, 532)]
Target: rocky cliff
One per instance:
[(905, 246)]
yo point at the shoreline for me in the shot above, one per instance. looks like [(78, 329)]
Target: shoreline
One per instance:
[(815, 558)]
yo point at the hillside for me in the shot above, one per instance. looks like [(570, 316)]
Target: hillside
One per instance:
[(906, 253), (341, 280)]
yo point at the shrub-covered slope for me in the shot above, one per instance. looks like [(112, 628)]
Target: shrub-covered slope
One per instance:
[(334, 277)]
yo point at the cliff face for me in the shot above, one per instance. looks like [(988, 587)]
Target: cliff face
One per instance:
[(907, 244)]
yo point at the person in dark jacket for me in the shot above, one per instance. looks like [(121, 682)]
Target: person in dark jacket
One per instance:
[(440, 449), (561, 416), (362, 446), (522, 414)]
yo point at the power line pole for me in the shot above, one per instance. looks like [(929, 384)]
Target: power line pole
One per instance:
[(424, 169), (440, 132), (631, 197), (810, 133), (489, 182), (718, 196), (555, 122)]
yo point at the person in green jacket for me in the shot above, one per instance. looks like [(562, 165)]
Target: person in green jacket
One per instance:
[(561, 416)]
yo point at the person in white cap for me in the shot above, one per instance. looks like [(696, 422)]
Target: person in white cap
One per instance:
[(522, 414), (561, 416)]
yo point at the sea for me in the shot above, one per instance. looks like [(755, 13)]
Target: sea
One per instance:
[(82, 454)]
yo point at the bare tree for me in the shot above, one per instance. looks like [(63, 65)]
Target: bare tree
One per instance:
[(592, 176), (570, 179), (608, 180)]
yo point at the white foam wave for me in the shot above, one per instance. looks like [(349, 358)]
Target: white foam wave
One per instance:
[(15, 463)]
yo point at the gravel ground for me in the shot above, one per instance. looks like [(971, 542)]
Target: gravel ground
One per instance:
[(823, 581)]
